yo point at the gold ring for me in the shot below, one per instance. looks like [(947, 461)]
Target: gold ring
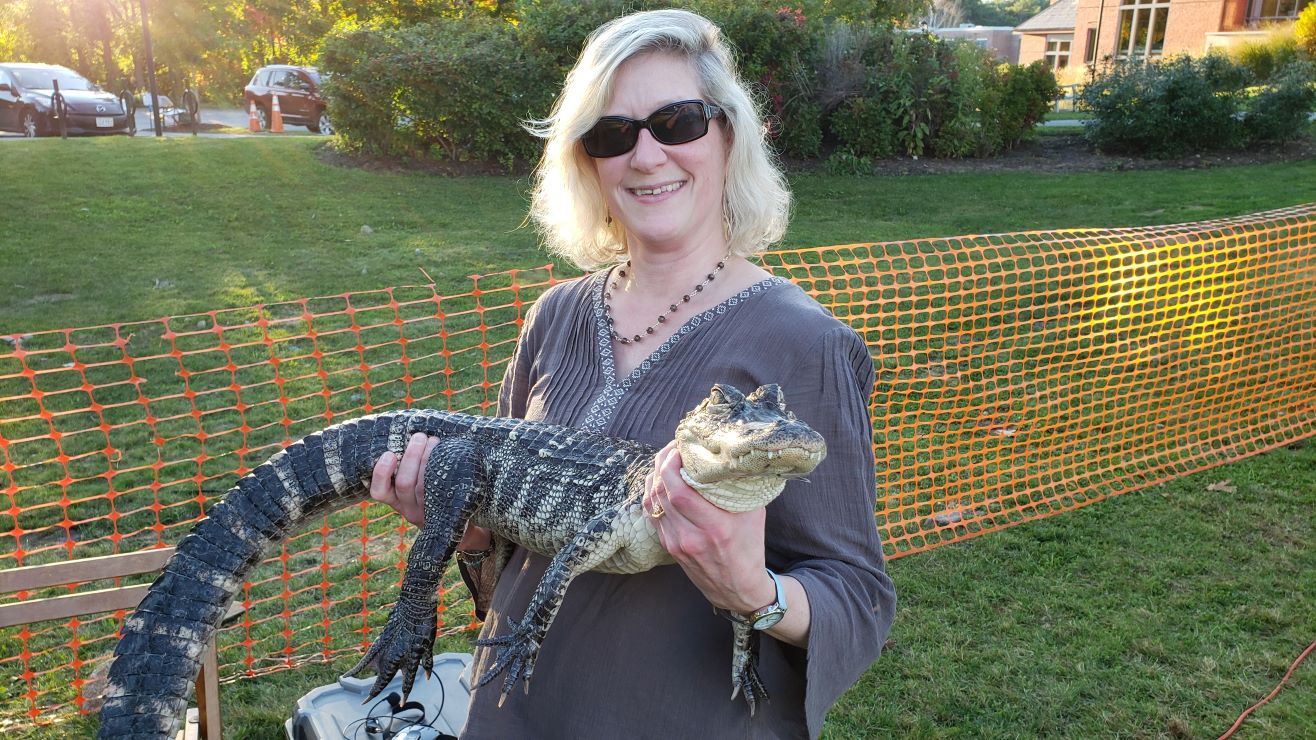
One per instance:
[(658, 511)]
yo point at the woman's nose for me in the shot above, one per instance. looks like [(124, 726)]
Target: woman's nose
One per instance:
[(648, 153)]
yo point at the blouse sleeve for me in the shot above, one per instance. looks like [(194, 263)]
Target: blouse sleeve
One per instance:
[(822, 532)]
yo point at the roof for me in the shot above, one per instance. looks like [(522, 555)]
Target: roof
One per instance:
[(31, 65), (1060, 16)]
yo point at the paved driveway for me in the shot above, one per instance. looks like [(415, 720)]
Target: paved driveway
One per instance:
[(229, 117)]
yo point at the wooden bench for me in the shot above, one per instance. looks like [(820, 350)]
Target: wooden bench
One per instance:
[(35, 577)]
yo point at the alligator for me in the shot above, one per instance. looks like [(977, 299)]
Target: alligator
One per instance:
[(570, 495)]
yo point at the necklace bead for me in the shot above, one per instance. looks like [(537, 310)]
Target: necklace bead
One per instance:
[(662, 319)]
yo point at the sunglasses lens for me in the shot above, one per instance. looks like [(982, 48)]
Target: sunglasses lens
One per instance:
[(679, 123), (610, 137)]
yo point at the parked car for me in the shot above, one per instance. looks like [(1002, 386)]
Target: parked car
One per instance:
[(298, 89), (25, 95)]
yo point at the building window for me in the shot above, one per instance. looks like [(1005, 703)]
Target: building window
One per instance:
[(1090, 51), (1142, 28), (1057, 50), (1275, 10)]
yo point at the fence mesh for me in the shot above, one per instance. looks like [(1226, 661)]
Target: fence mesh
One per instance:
[(1019, 375)]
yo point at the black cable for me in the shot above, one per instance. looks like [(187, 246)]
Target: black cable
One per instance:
[(396, 708)]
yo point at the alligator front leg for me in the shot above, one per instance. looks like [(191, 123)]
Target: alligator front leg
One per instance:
[(452, 490), (519, 649), (744, 666)]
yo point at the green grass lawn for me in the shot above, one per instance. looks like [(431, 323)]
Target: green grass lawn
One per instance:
[(108, 230), (1159, 613), (1068, 115)]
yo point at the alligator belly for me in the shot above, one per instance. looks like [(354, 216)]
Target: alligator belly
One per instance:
[(641, 549)]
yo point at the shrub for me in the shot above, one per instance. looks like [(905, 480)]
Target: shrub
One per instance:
[(864, 126), (843, 162), (557, 29), (1280, 111), (358, 88), (1304, 31), (772, 52), (1025, 95), (1264, 59), (922, 95), (1159, 109), (461, 86)]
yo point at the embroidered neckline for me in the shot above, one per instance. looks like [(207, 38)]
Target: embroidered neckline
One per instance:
[(605, 404)]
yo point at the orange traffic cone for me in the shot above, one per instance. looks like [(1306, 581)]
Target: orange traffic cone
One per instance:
[(276, 117), (253, 120)]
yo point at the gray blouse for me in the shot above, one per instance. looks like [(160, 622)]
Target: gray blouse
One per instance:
[(644, 655)]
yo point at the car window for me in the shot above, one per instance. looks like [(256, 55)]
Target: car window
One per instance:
[(40, 79), (290, 80), (5, 79)]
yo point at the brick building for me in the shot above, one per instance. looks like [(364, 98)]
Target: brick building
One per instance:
[(1072, 33)]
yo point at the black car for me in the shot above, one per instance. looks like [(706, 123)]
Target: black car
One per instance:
[(298, 90), (25, 93)]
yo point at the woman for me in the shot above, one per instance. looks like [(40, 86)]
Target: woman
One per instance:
[(656, 168)]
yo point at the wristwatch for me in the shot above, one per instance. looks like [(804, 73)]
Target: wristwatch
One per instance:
[(764, 617)]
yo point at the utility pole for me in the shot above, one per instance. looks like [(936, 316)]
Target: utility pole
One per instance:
[(150, 71)]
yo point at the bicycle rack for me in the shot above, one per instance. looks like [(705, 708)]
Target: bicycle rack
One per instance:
[(192, 102), (59, 110), (129, 104)]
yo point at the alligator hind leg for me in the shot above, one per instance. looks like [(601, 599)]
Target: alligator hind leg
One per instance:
[(519, 649), (744, 666), (452, 493)]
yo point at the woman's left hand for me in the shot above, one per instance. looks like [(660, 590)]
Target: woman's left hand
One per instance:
[(720, 551)]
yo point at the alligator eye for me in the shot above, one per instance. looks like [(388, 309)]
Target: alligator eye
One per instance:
[(768, 396)]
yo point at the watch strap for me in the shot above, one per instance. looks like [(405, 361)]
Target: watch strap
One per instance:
[(778, 606)]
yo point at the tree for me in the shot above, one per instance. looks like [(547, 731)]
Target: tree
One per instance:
[(1305, 30), (942, 14), (1001, 12)]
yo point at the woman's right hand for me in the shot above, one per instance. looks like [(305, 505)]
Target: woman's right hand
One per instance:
[(400, 484)]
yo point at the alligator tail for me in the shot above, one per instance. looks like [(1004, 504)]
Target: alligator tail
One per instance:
[(156, 662)]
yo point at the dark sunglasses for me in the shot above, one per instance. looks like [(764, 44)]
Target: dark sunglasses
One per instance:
[(678, 123)]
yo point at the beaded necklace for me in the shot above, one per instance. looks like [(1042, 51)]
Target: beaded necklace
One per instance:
[(662, 319)]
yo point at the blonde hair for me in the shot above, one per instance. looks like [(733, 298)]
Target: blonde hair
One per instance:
[(566, 201)]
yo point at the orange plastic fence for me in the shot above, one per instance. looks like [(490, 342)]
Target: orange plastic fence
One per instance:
[(1019, 375)]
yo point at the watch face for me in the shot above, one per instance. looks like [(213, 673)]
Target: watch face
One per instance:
[(768, 620)]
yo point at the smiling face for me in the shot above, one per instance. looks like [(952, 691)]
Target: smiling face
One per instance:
[(666, 196)]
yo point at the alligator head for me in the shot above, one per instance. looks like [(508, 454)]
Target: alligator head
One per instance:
[(739, 451)]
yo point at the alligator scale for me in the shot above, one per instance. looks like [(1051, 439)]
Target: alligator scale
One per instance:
[(569, 495)]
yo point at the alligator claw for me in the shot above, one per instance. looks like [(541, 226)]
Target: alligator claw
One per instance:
[(517, 652), (744, 667), (405, 644), (747, 680)]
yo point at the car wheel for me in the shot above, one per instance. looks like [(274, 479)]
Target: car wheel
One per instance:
[(29, 124), (263, 116), (324, 125)]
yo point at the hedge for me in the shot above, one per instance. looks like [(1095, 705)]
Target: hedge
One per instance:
[(459, 88)]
